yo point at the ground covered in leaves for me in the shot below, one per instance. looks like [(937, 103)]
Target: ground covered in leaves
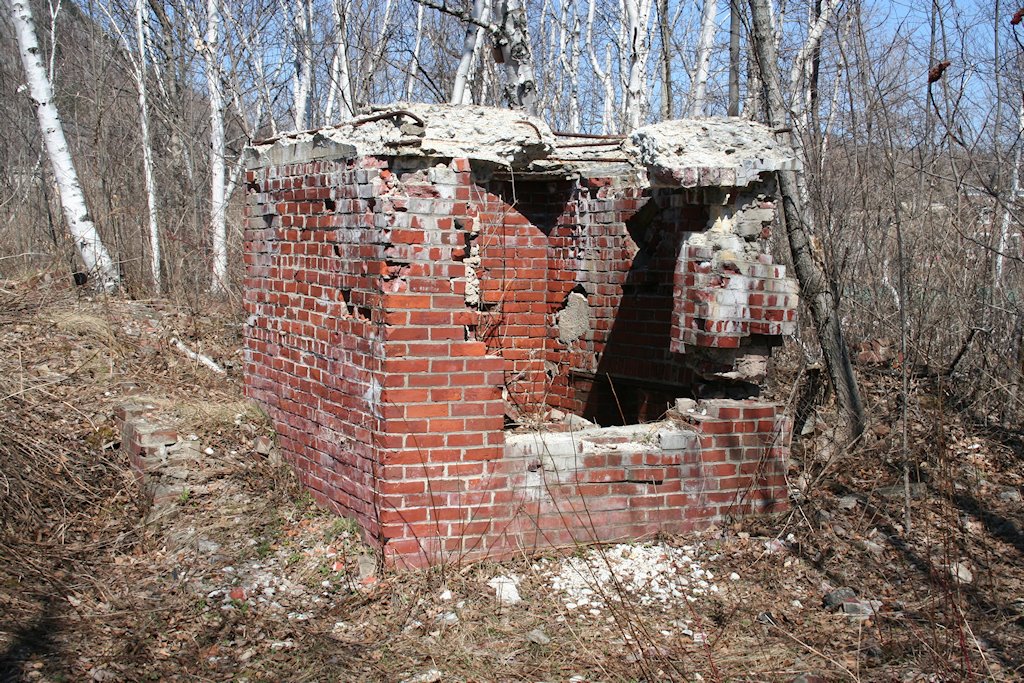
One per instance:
[(240, 577)]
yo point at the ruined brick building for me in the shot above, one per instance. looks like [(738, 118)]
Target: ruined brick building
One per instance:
[(476, 337)]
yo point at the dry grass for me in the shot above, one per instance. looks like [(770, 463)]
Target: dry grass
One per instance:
[(87, 590)]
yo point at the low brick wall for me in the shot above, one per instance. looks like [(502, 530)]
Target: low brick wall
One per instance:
[(723, 460)]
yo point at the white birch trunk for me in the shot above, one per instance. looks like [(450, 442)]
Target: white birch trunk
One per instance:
[(147, 150), (461, 89), (799, 82), (303, 64), (638, 13), (520, 85), (94, 255), (414, 67), (218, 196), (373, 62), (1004, 226), (604, 75), (703, 66), (569, 56), (340, 92)]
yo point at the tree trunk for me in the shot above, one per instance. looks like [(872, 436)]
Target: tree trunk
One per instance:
[(340, 92), (461, 89), (704, 45), (520, 85), (665, 32), (638, 13), (799, 222), (147, 149), (414, 65), (1008, 201), (218, 196), (734, 57), (604, 76), (94, 255), (303, 80)]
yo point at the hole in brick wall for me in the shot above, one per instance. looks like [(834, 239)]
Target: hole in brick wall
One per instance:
[(330, 205), (371, 203), (252, 188), (337, 250), (618, 400), (637, 375), (346, 296), (467, 245)]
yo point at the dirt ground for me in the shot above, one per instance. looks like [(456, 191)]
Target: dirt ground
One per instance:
[(239, 577)]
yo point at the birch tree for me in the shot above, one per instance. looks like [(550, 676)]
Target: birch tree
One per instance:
[(302, 77), (1007, 202), (90, 247), (218, 194), (514, 45), (637, 18), (473, 38), (414, 65), (704, 47), (604, 75), (147, 148), (339, 93)]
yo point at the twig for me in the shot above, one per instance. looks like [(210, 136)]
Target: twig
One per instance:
[(443, 7), (811, 649)]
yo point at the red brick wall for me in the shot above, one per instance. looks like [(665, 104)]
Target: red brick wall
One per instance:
[(384, 373), (315, 262)]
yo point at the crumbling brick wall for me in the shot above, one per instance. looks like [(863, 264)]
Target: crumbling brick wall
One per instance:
[(403, 309)]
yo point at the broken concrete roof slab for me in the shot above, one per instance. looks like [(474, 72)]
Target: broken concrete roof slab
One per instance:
[(710, 152), (500, 136)]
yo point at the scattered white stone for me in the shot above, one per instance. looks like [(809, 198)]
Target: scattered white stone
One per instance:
[(208, 450), (446, 595), (654, 574), (505, 590), (538, 637), (734, 577), (431, 676), (960, 571), (448, 618)]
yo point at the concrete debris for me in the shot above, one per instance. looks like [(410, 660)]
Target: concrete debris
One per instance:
[(848, 502), (506, 590), (429, 676), (501, 136), (728, 152), (263, 446), (447, 618), (538, 637), (961, 573), (859, 610), (651, 575), (574, 318)]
